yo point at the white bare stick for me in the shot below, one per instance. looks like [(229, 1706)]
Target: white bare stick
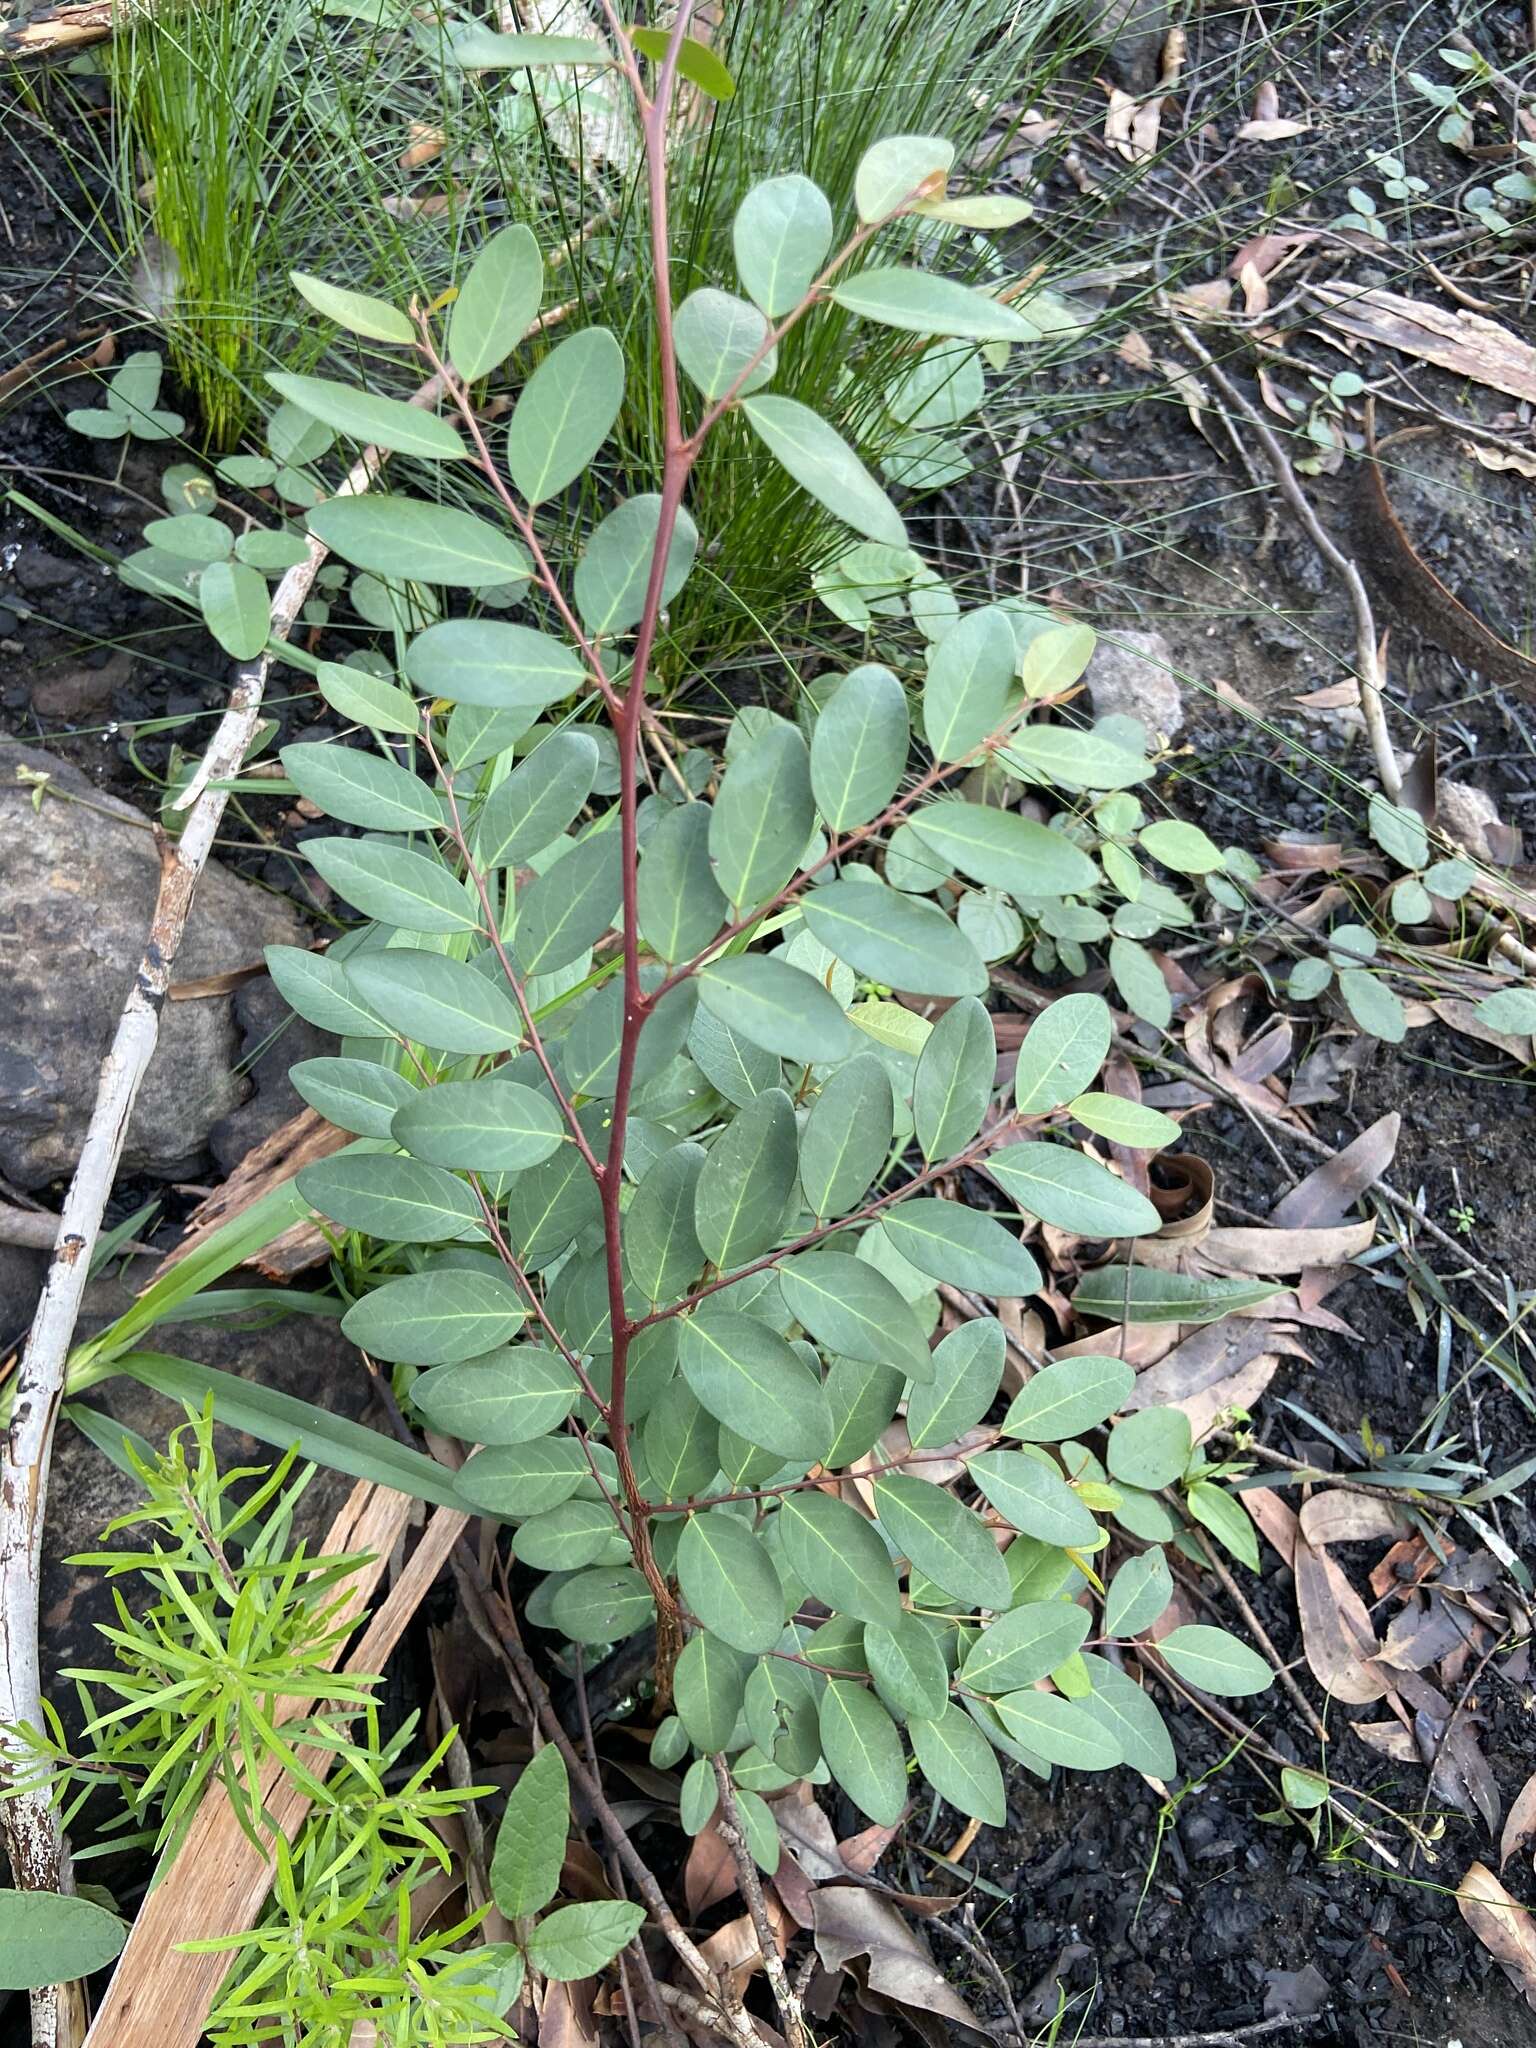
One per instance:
[(38, 1854)]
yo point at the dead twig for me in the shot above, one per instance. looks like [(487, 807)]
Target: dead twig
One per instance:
[(734, 1834), (1368, 666), (1220, 2037)]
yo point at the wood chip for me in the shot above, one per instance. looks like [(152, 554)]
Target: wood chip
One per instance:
[(1462, 342)]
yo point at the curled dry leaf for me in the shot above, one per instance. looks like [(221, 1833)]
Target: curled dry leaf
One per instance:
[(857, 1926), (1502, 1925), (1332, 1516)]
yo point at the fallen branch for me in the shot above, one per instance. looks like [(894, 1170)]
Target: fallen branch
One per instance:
[(1368, 666), (60, 31), (734, 1834), (34, 1840)]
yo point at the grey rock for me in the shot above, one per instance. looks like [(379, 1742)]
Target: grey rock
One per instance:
[(36, 570), (21, 1282), (1133, 673), (77, 891), (1468, 815), (272, 1039), (302, 1355), (1133, 32)]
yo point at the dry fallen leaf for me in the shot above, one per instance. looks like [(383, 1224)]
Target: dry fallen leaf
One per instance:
[(853, 1923), (1522, 460), (1502, 1925), (1521, 1822), (1336, 1629)]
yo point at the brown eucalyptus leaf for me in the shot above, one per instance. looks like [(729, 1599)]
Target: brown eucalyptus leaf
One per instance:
[(1502, 1925), (567, 2019), (1334, 1516), (1389, 1739), (709, 1874), (1264, 1252), (861, 1852), (1274, 1518), (1520, 1824), (1336, 1630), (1331, 1190)]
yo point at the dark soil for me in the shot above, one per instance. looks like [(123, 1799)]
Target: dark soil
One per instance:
[(1218, 1917)]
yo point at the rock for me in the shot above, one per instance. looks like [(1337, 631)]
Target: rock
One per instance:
[(78, 888), (37, 571), (1134, 31), (77, 692), (21, 1281), (303, 1355), (272, 1040), (1470, 817), (1133, 673)]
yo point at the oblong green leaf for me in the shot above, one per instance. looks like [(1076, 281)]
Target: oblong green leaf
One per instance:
[(967, 1372), (717, 336), (490, 1125), (236, 608), (953, 1082), (958, 1762), (576, 1942), (777, 1006), (838, 1556), (846, 1137), (1068, 1398), (1129, 1718), (1060, 1731), (823, 464), (493, 663), (661, 1247), (680, 905), (530, 1843), (395, 884), (961, 1246), (614, 572), (49, 1938), (411, 541), (708, 1686), (1146, 1294), (361, 788), (1073, 759), (528, 1478), (907, 1666), (566, 910), (321, 991), (970, 672), (746, 1375), (1215, 1661), (367, 417), (436, 1001), (897, 939), (1003, 849), (859, 747), (374, 319), (1063, 1050), (855, 1311), (1071, 1192), (507, 1397), (390, 1197), (1151, 1448), (434, 1318), (1138, 1593), (943, 1540), (781, 235), (729, 1582), (537, 801), (747, 1181), (763, 817), (1034, 1499), (354, 1095), (564, 413), (896, 295), (1026, 1643), (497, 302), (863, 1750)]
